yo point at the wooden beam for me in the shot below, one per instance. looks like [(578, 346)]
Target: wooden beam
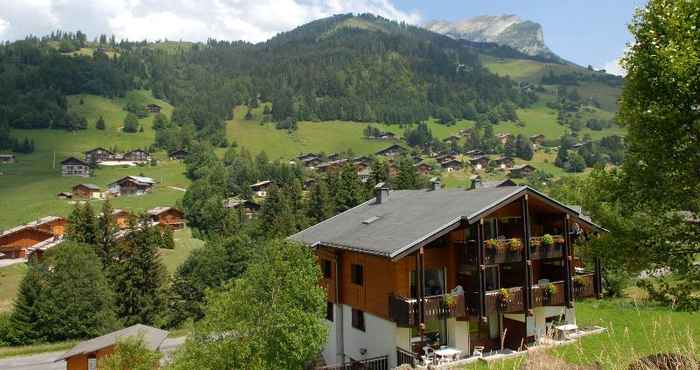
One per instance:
[(527, 291), (480, 267), (566, 256)]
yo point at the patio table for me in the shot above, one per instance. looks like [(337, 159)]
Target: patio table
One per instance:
[(449, 354)]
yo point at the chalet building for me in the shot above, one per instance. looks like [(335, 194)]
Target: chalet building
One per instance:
[(131, 185), (480, 162), (88, 355), (311, 162), (332, 166), (72, 166), (364, 174), (504, 162), (137, 155), (178, 154), (153, 108), (392, 151), (476, 183), (98, 155), (85, 191), (537, 139), (386, 136), (416, 268), (167, 217), (121, 218), (474, 153), (41, 234), (451, 139), (65, 195), (523, 170), (445, 157), (308, 184), (7, 158), (261, 188), (247, 207), (451, 165), (333, 157), (424, 169), (504, 138)]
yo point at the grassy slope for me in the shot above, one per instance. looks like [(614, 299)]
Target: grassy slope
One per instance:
[(30, 185), (633, 332), (10, 278)]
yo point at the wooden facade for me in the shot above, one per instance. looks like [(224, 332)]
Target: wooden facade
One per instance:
[(137, 155), (98, 155), (85, 191), (170, 217), (81, 361), (75, 167), (16, 242)]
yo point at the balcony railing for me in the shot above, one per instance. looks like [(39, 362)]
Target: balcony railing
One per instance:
[(377, 363), (503, 250), (405, 311), (539, 248), (545, 296), (584, 285), (506, 300), (404, 357)]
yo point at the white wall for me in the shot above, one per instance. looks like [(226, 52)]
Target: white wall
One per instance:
[(379, 337), (330, 354)]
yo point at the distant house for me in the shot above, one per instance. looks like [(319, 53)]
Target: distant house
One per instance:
[(424, 169), (261, 188), (392, 151), (178, 154), (121, 218), (332, 166), (537, 139), (504, 138), (167, 217), (504, 162), (65, 195), (88, 355), (131, 185), (333, 157), (311, 162), (137, 155), (72, 166), (42, 234), (98, 155), (308, 184), (365, 174), (474, 152), (451, 165), (386, 136), (248, 207), (445, 157), (451, 139), (153, 108), (86, 191), (479, 162), (523, 170), (476, 183), (7, 158)]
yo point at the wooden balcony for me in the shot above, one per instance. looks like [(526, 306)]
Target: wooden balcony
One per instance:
[(538, 250), (584, 285), (405, 311), (503, 251), (496, 303), (540, 296)]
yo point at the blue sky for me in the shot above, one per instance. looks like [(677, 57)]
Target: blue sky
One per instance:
[(586, 32)]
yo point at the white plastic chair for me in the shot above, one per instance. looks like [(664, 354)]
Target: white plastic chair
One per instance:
[(429, 357), (478, 351)]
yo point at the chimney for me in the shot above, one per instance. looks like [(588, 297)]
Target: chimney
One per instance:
[(381, 193), (435, 184), (476, 182)]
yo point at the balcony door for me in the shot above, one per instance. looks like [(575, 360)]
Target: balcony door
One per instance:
[(434, 283)]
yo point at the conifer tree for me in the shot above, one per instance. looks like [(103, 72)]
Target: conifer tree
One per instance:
[(106, 228), (321, 205), (100, 124), (82, 224), (349, 191), (23, 327), (277, 215), (407, 177)]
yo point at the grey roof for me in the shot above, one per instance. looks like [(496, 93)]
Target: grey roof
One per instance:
[(152, 339), (89, 186), (411, 218), (497, 183)]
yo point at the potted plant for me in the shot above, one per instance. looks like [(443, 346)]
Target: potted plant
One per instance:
[(503, 297), (547, 240), (549, 291), (491, 244), (515, 245), (579, 281)]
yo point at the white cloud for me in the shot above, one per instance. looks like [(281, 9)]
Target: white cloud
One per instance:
[(195, 20), (614, 67), (4, 25)]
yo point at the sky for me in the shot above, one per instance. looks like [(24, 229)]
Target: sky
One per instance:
[(586, 32)]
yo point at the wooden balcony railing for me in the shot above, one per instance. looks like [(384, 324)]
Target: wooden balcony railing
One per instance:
[(541, 296), (538, 252), (503, 251), (584, 285), (404, 357), (495, 301), (405, 311)]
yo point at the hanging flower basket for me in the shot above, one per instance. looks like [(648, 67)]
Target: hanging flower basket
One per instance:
[(515, 245), (503, 298), (547, 240), (491, 244)]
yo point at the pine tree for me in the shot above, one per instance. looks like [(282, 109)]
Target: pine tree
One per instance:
[(349, 191), (106, 228), (100, 124), (407, 177), (23, 328), (138, 276), (277, 215), (131, 123), (321, 205), (82, 226)]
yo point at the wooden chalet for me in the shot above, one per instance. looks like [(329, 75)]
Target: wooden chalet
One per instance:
[(247, 207), (333, 157), (121, 218), (72, 166), (522, 170), (451, 139), (42, 234), (7, 158), (261, 188), (167, 217), (504, 162), (490, 267), (332, 166), (392, 151), (387, 136), (131, 185), (537, 139), (89, 354), (85, 191), (98, 155), (504, 138), (474, 153), (153, 108), (480, 162), (178, 154), (424, 169), (445, 157), (137, 155), (451, 165)]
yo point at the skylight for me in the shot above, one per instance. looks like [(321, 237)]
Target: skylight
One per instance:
[(370, 220)]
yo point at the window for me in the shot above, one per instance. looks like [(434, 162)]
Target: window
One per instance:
[(329, 311), (357, 274), (358, 319), (326, 267)]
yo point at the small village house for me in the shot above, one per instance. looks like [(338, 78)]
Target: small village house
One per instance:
[(131, 185), (480, 162), (445, 157), (98, 155), (308, 183), (65, 195), (333, 157), (392, 151), (424, 169), (87, 355), (474, 153), (451, 139), (137, 155), (167, 217), (72, 166), (44, 233), (537, 139), (178, 154), (451, 165), (121, 218), (476, 183), (86, 191), (504, 162), (364, 174), (7, 158), (416, 268), (153, 108), (248, 207), (332, 166), (522, 170), (504, 138), (261, 188), (386, 136)]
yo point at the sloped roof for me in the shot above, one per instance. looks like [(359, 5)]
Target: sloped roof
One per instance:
[(89, 186), (73, 160), (33, 224), (158, 210), (411, 218), (152, 339)]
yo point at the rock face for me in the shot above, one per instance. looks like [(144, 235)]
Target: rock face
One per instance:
[(524, 36)]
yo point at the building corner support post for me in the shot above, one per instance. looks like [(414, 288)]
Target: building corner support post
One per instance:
[(527, 291), (480, 268), (568, 294)]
